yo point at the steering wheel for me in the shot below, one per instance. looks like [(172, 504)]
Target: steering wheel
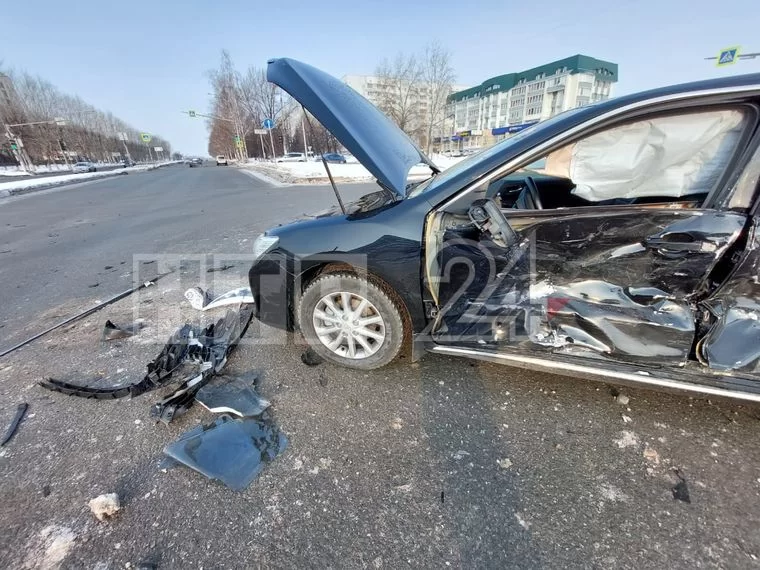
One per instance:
[(535, 197)]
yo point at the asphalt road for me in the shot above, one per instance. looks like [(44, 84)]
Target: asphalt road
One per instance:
[(441, 463)]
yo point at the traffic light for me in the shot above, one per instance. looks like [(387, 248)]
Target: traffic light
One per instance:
[(63, 145), (14, 144)]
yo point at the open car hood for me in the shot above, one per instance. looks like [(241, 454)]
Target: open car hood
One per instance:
[(383, 148)]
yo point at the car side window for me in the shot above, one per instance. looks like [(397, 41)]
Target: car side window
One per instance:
[(663, 159)]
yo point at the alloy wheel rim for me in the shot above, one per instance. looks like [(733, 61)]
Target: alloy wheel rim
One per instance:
[(349, 325)]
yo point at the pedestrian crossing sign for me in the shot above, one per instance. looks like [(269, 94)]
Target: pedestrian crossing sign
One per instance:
[(728, 56)]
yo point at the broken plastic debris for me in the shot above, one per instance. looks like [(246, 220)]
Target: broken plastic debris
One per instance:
[(159, 372), (113, 331), (680, 490), (205, 301), (207, 348), (233, 451), (20, 411), (197, 297), (105, 506), (209, 351), (224, 267), (233, 395), (311, 358), (622, 399), (84, 314)]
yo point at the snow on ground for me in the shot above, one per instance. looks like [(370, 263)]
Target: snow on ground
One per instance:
[(46, 168), (14, 186), (314, 172)]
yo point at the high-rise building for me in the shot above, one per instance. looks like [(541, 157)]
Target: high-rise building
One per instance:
[(505, 104)]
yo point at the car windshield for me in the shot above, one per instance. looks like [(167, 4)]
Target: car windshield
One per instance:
[(437, 180)]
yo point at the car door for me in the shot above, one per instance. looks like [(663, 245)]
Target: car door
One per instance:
[(616, 269)]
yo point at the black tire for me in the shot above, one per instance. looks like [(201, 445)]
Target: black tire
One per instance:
[(390, 312)]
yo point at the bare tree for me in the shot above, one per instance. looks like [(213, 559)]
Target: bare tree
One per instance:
[(89, 133), (399, 86), (438, 79), (250, 99)]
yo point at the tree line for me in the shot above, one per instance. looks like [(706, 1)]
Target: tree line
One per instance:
[(86, 133), (410, 89)]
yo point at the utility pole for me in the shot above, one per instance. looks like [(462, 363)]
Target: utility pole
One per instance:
[(303, 132), (63, 150), (123, 137)]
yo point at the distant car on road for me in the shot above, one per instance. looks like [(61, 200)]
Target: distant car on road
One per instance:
[(292, 157), (128, 162), (221, 160), (84, 167), (198, 162), (333, 157)]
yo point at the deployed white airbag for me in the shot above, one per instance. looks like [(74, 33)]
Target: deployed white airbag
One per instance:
[(666, 156)]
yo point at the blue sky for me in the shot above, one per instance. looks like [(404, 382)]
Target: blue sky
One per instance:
[(146, 60)]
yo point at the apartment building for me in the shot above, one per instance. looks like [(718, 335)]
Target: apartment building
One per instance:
[(503, 105)]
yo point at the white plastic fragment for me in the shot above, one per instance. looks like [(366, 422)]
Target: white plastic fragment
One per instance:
[(622, 399), (201, 300)]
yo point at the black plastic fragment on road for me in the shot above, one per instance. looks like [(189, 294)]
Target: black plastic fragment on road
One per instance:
[(680, 490), (209, 350), (220, 268), (232, 395), (232, 451), (311, 358), (113, 331), (160, 371), (85, 313), (9, 433)]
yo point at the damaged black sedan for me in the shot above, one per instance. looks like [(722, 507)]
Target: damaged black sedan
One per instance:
[(617, 241)]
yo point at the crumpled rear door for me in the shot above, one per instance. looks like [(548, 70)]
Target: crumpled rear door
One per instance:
[(617, 282)]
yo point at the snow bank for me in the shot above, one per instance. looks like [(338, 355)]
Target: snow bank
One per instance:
[(20, 186), (47, 168), (314, 172)]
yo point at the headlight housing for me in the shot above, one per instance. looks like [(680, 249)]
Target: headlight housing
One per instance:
[(263, 244)]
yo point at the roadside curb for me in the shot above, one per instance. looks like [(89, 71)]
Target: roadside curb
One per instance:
[(258, 175)]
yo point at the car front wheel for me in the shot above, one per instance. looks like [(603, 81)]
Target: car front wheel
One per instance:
[(351, 321)]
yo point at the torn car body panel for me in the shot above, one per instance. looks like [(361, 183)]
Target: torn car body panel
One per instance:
[(233, 451), (585, 284), (733, 341)]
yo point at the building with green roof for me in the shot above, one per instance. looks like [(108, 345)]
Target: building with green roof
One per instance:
[(505, 104)]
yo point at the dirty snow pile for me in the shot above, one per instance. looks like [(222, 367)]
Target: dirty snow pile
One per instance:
[(7, 188), (47, 168), (313, 171)]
